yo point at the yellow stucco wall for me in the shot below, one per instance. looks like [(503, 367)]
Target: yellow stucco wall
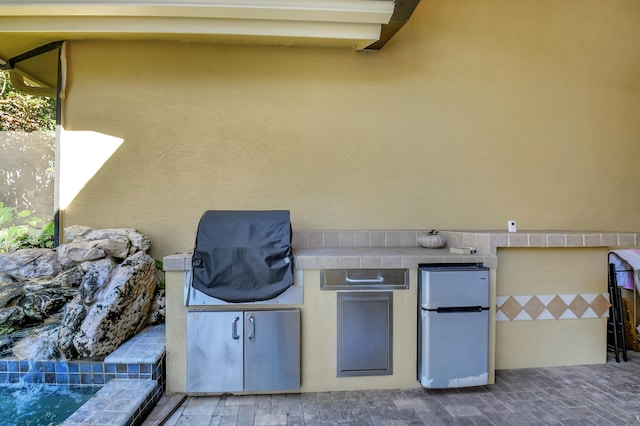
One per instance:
[(473, 114), (551, 342)]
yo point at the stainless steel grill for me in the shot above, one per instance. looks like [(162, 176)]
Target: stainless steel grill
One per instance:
[(242, 257)]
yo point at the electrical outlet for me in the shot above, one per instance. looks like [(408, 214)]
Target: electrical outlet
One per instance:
[(511, 226)]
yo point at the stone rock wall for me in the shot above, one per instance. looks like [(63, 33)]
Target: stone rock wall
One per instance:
[(82, 299)]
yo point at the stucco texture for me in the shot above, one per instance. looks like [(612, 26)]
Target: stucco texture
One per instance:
[(473, 114), (544, 343)]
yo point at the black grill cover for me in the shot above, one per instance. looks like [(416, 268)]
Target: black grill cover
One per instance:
[(243, 256)]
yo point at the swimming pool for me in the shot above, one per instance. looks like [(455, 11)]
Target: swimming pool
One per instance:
[(137, 363), (41, 404)]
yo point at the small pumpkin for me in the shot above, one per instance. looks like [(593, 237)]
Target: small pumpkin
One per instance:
[(431, 240)]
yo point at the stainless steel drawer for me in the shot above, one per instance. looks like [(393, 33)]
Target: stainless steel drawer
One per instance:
[(364, 279)]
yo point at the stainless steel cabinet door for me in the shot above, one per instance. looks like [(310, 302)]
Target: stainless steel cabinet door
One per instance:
[(214, 351), (365, 333), (272, 350)]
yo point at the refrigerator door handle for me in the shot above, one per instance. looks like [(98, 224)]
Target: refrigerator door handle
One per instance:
[(458, 309)]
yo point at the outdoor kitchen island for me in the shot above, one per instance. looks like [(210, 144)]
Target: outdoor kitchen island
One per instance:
[(547, 292)]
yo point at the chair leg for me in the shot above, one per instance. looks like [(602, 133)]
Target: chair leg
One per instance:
[(615, 324)]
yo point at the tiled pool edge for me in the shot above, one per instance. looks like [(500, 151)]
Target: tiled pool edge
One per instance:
[(119, 402), (77, 373), (138, 364)]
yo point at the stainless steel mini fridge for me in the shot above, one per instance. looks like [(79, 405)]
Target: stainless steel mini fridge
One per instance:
[(453, 325)]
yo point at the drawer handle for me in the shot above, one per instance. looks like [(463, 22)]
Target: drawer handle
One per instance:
[(378, 279)]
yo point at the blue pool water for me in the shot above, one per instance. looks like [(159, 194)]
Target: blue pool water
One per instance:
[(40, 404)]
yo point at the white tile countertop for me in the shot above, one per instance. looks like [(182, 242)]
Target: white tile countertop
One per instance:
[(490, 241), (381, 257), (399, 249), (355, 257)]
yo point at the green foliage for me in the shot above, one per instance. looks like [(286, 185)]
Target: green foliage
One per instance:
[(22, 112), (19, 230), (160, 271), (6, 330), (27, 169)]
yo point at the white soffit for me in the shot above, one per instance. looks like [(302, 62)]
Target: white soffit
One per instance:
[(354, 23)]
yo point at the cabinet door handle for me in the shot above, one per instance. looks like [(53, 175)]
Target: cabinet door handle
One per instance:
[(252, 329), (234, 328)]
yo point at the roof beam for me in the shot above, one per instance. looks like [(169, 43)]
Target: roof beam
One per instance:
[(358, 22)]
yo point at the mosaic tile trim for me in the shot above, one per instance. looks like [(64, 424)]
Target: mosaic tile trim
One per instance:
[(76, 372), (552, 306), (141, 357)]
